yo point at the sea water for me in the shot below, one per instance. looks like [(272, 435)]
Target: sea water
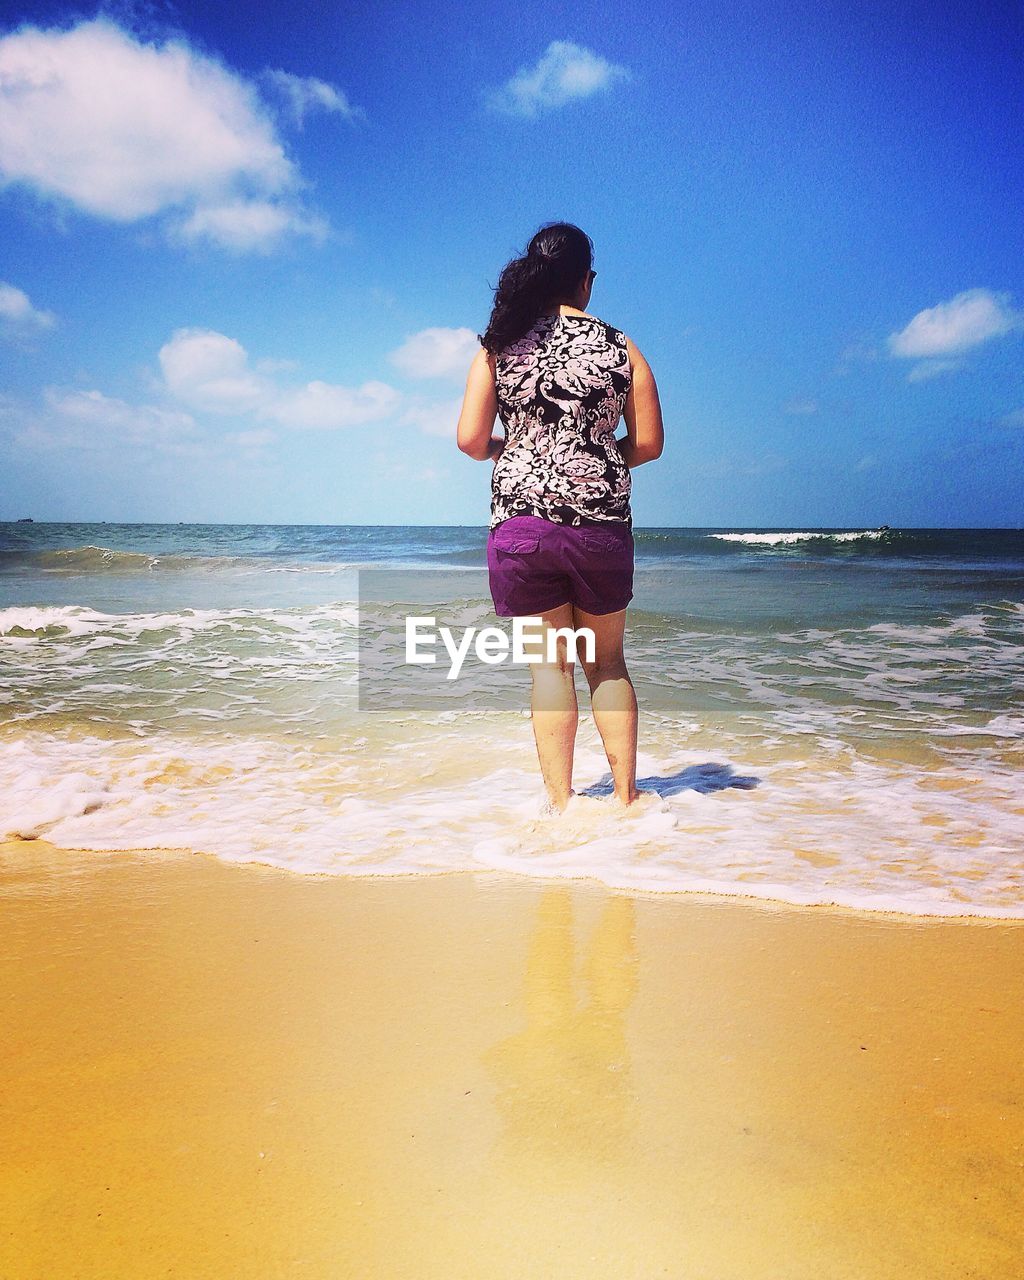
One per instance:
[(827, 716)]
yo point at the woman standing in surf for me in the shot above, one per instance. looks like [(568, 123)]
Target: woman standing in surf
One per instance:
[(560, 543)]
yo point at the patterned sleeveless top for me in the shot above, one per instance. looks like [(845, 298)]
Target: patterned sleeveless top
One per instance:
[(561, 390)]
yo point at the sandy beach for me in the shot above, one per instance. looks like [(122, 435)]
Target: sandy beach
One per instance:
[(234, 1071), (339, 940)]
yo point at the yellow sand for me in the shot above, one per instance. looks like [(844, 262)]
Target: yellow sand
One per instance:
[(224, 1071)]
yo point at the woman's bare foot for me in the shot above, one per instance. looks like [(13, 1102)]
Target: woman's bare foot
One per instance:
[(551, 806)]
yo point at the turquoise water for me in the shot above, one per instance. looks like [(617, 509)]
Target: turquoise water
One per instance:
[(828, 715)]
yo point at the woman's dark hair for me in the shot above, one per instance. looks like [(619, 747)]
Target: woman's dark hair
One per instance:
[(557, 258)]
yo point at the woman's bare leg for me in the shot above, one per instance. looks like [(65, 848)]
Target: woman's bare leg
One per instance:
[(612, 697), (553, 707)]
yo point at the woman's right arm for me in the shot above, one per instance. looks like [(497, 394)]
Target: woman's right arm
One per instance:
[(480, 411), (645, 431)]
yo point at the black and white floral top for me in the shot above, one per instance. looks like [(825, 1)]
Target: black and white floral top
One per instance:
[(561, 389)]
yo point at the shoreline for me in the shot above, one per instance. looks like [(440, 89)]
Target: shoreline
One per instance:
[(232, 1070), (978, 916)]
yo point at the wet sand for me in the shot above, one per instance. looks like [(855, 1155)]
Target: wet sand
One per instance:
[(236, 1072)]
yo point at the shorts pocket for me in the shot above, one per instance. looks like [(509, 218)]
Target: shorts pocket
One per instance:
[(517, 545), (608, 543)]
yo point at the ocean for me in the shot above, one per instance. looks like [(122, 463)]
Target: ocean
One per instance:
[(827, 716)]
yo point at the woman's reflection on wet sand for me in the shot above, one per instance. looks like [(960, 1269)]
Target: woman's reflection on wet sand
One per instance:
[(564, 1090)]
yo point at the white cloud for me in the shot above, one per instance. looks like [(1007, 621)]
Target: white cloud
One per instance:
[(257, 438), (18, 317), (105, 427), (434, 419), (437, 353), (322, 406), (389, 466), (860, 351), (1014, 419), (867, 463), (247, 226), (126, 130), (91, 420), (564, 72), (270, 364), (108, 413), (306, 93), (801, 408), (965, 321), (929, 369), (210, 371), (761, 466)]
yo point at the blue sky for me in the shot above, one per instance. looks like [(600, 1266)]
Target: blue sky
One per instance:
[(245, 252)]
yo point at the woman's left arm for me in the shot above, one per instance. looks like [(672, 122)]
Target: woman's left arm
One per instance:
[(479, 410)]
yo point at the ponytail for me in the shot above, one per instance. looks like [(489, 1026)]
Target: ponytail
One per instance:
[(558, 257)]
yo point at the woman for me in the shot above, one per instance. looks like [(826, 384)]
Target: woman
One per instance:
[(560, 545)]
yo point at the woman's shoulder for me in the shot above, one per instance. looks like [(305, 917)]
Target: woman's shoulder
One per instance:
[(615, 335), (612, 330)]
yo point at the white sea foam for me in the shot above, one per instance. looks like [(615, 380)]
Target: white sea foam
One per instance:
[(414, 799), (71, 620), (934, 683), (874, 765), (791, 537), (26, 622), (946, 679)]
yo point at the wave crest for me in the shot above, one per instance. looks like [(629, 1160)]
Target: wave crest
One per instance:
[(791, 537)]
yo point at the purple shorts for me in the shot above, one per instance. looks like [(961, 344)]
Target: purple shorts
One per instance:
[(535, 565)]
